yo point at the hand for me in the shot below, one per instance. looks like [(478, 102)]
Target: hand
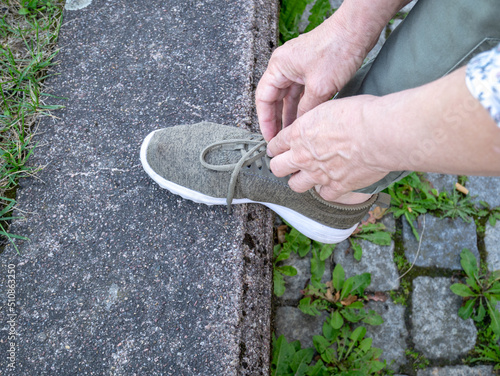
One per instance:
[(310, 69), (331, 147), (303, 73)]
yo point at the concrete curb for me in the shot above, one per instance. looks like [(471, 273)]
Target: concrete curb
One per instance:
[(120, 277)]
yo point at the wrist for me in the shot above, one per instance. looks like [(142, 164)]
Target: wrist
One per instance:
[(361, 21)]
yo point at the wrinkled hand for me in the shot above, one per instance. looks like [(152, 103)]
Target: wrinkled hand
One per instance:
[(332, 147), (305, 72)]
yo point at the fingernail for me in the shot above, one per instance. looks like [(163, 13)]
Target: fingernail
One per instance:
[(269, 154)]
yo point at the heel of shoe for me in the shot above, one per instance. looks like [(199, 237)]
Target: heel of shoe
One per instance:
[(312, 229)]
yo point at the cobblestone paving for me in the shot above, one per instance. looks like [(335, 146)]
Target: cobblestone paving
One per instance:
[(429, 323)]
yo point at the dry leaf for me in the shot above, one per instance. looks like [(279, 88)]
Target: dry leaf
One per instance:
[(329, 296), (350, 299), (377, 297), (379, 212), (373, 216), (281, 231)]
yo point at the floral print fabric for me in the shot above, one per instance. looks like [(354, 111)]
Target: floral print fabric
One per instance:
[(483, 80)]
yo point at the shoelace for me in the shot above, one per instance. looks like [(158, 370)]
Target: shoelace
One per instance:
[(252, 150)]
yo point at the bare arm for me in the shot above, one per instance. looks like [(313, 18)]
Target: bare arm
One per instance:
[(439, 127), (347, 144)]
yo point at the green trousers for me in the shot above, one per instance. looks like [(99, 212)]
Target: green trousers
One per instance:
[(437, 37)]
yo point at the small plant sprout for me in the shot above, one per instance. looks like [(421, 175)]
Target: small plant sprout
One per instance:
[(342, 298)]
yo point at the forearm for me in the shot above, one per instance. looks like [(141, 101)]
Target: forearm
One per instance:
[(438, 127)]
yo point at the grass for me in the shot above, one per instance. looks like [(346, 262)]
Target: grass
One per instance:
[(28, 33)]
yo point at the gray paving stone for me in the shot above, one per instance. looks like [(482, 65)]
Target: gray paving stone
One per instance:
[(485, 188), (442, 182), (390, 336), (457, 371), (119, 276), (296, 283), (442, 242), (389, 222), (492, 245), (295, 325), (437, 330), (376, 259)]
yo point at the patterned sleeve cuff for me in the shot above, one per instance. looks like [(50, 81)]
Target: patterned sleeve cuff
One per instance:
[(483, 80)]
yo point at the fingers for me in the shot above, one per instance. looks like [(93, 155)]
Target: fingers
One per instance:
[(301, 182), (291, 102), (279, 144), (311, 99), (329, 193), (272, 88), (268, 101)]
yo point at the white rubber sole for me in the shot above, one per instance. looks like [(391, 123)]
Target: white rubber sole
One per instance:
[(310, 228)]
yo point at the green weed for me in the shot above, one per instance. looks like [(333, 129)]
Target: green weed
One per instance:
[(418, 360), (342, 298), (301, 245), (401, 295), (488, 350), (28, 31), (291, 12), (493, 214), (342, 352), (289, 358), (343, 349), (373, 232), (34, 7), (321, 10), (481, 292), (413, 195), (347, 352)]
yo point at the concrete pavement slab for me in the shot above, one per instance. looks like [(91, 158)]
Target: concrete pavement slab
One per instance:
[(120, 277)]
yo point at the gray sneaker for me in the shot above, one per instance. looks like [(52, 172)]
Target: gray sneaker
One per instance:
[(215, 164)]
